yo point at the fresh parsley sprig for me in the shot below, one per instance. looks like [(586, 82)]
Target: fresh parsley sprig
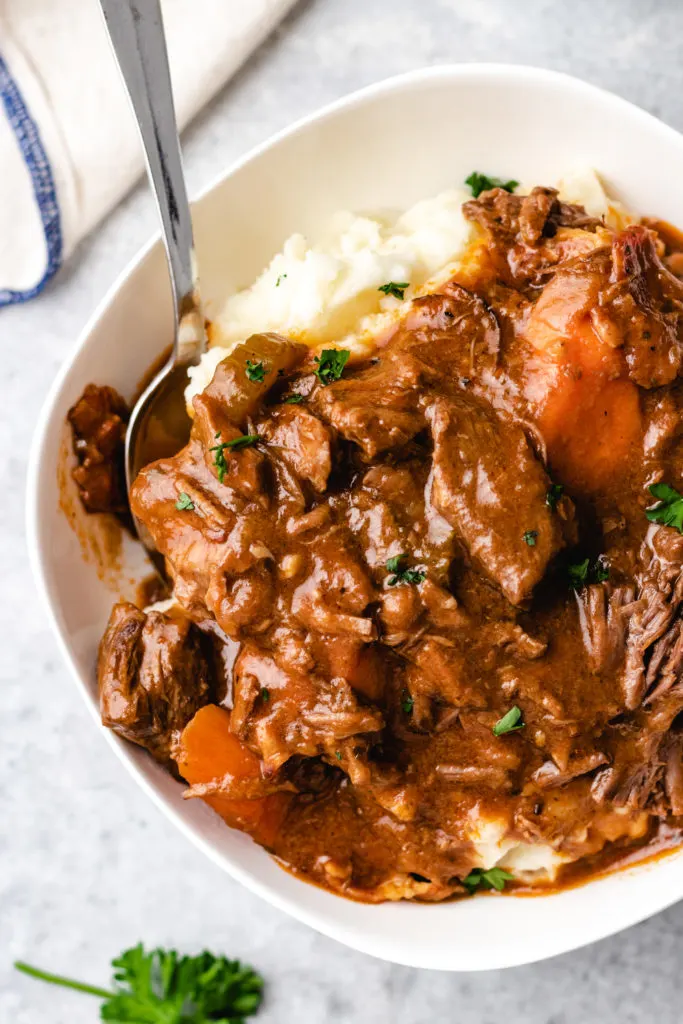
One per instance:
[(184, 502), (669, 508), (407, 702), (255, 372), (510, 722), (161, 987), (330, 364), (553, 495), (479, 183), (395, 288), (236, 445), (582, 573), (400, 573), (494, 878)]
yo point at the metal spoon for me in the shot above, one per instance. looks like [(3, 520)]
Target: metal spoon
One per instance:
[(159, 425)]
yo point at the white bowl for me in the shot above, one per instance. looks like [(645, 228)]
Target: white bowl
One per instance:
[(388, 145)]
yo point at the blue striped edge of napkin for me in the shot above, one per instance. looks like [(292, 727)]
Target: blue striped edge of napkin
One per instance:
[(33, 151)]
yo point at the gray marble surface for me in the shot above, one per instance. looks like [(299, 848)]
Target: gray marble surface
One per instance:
[(87, 865)]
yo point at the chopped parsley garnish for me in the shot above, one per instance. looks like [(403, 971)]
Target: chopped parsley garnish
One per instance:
[(494, 878), (237, 444), (265, 694), (600, 569), (553, 495), (582, 573), (479, 183), (161, 987), (277, 283), (401, 574), (530, 537), (578, 573), (331, 363), (255, 371), (669, 507), (395, 288), (510, 722), (338, 755), (184, 502), (293, 399), (406, 702)]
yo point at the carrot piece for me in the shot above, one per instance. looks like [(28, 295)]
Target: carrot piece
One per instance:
[(589, 411), (208, 751), (591, 426)]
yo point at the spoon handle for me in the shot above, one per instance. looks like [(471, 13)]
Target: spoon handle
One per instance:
[(136, 33)]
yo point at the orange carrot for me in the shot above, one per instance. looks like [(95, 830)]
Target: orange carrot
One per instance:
[(208, 751), (589, 412)]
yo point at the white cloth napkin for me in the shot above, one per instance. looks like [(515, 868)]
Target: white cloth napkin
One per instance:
[(69, 148)]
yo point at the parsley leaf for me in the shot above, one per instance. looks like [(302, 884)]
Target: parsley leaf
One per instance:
[(265, 694), (395, 288), (406, 702), (401, 574), (600, 569), (530, 537), (184, 502), (510, 722), (161, 987), (338, 754), (255, 371), (331, 363), (482, 183), (582, 573), (669, 507), (277, 283), (494, 878), (578, 573), (293, 399), (237, 444), (553, 495)]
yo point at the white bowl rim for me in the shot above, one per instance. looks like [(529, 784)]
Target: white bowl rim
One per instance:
[(339, 931)]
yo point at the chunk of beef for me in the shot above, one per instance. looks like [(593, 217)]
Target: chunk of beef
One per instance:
[(438, 669), (528, 235), (302, 441), (490, 486), (282, 712), (532, 216), (649, 306), (335, 595), (243, 605), (212, 544), (385, 511), (664, 428), (445, 339), (452, 333), (98, 422), (378, 408), (152, 677)]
